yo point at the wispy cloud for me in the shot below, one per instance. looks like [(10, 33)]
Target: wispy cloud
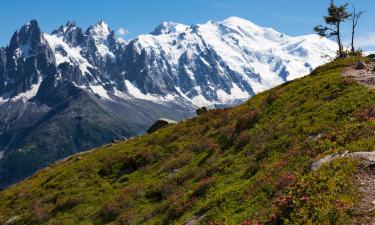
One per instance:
[(366, 40), (122, 31)]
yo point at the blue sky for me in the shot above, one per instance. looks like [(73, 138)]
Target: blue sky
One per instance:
[(293, 17)]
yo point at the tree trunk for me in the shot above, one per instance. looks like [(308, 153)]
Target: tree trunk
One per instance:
[(353, 31), (353, 49), (341, 55)]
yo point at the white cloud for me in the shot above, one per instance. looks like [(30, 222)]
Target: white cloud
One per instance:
[(122, 31)]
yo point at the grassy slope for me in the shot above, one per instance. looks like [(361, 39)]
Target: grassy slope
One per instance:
[(243, 165)]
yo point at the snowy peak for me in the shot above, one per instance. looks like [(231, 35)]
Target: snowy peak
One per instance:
[(242, 23), (100, 38), (169, 27), (242, 30), (70, 33), (28, 42), (83, 57), (100, 31)]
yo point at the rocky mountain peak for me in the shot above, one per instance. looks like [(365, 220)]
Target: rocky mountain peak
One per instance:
[(31, 29), (71, 34), (26, 39), (25, 62), (99, 31)]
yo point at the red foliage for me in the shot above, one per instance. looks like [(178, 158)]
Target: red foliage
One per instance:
[(290, 177), (347, 81), (39, 213), (367, 115), (246, 222), (243, 139), (249, 222), (247, 120)]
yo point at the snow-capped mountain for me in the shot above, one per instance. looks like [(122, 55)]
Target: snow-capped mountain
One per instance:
[(212, 63), (75, 89), (220, 62), (205, 64)]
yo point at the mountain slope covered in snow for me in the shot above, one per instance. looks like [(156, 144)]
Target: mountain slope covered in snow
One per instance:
[(220, 62)]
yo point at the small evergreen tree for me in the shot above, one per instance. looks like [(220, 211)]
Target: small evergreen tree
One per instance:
[(336, 16)]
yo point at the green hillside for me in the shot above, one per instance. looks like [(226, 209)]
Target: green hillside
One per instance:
[(245, 165)]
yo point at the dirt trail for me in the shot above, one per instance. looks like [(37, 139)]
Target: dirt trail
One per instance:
[(366, 185), (366, 177), (365, 77)]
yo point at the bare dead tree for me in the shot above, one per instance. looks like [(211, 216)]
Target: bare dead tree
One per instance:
[(355, 18)]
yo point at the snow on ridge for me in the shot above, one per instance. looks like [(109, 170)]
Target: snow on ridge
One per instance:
[(73, 53), (103, 50), (100, 31), (169, 27), (100, 34), (24, 96), (3, 100), (136, 93), (99, 90), (240, 22)]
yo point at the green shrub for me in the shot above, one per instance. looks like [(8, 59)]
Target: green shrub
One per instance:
[(201, 110)]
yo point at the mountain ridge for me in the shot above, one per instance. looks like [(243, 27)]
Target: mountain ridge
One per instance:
[(88, 50)]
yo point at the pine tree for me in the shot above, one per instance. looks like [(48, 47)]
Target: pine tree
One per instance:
[(336, 16)]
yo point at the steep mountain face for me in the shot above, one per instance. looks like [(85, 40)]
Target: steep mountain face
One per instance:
[(220, 62), (76, 89), (250, 164), (25, 62)]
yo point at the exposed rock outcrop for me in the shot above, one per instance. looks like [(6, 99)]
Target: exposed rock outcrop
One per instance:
[(159, 124), (367, 157), (360, 65)]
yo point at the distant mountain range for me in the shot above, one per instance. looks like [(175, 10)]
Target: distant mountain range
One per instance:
[(73, 90)]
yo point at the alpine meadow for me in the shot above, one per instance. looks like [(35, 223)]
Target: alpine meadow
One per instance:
[(222, 122)]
